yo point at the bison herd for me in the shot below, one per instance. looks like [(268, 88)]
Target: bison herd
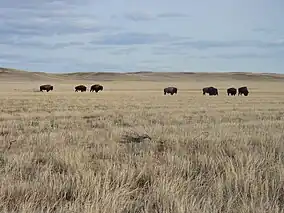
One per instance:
[(241, 91), (96, 88), (230, 91), (170, 90), (81, 88), (212, 91)]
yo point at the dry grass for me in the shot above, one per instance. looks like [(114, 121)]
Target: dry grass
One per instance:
[(82, 152)]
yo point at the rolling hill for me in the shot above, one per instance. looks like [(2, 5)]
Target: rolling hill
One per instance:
[(8, 74)]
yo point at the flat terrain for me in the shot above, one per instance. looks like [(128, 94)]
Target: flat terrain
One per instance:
[(78, 152)]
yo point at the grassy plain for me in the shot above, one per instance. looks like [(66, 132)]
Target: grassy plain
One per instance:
[(72, 152)]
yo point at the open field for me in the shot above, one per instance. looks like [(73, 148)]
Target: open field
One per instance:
[(76, 152)]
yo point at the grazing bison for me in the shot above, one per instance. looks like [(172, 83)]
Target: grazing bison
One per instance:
[(46, 87), (96, 88), (170, 90), (81, 88), (210, 90), (243, 90), (232, 91)]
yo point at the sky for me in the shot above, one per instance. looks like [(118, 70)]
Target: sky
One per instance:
[(62, 36)]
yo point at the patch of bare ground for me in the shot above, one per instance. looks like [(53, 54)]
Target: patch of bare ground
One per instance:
[(85, 152)]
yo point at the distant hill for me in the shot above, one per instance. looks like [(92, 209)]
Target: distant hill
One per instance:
[(8, 74)]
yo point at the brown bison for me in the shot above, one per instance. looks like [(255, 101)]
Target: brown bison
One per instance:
[(171, 90), (96, 88), (232, 91), (46, 87), (210, 90), (81, 88), (243, 90)]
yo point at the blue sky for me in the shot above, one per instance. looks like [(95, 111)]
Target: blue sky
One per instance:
[(148, 35)]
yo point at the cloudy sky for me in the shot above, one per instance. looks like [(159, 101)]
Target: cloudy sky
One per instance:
[(148, 35)]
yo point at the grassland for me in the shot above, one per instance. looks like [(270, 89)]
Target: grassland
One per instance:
[(72, 152)]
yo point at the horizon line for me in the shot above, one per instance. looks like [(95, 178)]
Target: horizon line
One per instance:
[(141, 72)]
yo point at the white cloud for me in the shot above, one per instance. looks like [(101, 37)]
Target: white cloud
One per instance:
[(56, 35)]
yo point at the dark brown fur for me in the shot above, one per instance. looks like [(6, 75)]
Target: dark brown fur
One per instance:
[(232, 91), (171, 90), (81, 88), (96, 88), (243, 90), (210, 91), (46, 87)]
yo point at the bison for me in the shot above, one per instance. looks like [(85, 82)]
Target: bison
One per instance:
[(46, 87), (243, 90), (232, 91), (171, 90), (96, 88), (81, 88), (210, 90)]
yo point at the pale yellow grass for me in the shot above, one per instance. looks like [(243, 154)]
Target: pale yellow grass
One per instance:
[(206, 154)]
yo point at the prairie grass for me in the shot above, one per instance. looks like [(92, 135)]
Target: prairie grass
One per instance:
[(74, 152)]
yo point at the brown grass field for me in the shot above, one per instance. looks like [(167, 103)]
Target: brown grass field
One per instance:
[(63, 151)]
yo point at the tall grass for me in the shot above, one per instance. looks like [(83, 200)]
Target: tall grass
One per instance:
[(84, 152)]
